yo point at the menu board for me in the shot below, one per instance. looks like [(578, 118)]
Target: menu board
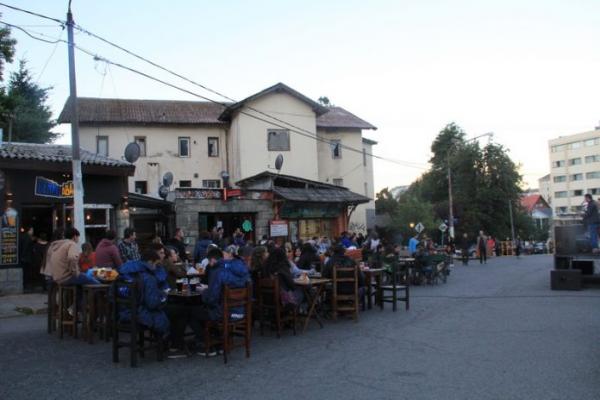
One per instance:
[(9, 238), (279, 228)]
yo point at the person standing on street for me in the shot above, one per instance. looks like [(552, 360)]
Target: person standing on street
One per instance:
[(464, 249), (412, 245), (482, 247), (128, 246), (591, 220)]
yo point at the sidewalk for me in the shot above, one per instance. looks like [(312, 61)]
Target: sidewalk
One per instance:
[(23, 304)]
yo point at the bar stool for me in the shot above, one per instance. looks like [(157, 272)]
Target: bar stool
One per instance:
[(95, 311), (52, 305), (67, 296)]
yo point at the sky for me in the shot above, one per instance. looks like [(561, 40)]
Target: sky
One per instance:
[(526, 70)]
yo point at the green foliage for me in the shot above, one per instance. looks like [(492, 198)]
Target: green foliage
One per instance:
[(24, 101), (484, 182), (7, 49)]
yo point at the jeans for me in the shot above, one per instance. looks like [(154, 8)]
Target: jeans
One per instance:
[(593, 231), (81, 279)]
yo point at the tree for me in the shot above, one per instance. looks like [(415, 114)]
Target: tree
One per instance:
[(24, 103), (7, 48), (324, 101)]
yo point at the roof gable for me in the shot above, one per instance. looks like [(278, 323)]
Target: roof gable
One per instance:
[(277, 88)]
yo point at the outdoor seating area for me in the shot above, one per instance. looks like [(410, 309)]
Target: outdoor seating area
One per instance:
[(110, 310)]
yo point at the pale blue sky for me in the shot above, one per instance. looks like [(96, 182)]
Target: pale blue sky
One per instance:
[(526, 70)]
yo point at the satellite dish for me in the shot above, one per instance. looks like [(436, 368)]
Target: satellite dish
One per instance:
[(132, 152), (167, 179), (279, 162), (163, 192)]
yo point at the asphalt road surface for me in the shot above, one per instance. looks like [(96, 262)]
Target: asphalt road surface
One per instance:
[(494, 331)]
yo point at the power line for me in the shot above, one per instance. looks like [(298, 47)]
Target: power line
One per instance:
[(33, 13), (31, 35), (287, 125)]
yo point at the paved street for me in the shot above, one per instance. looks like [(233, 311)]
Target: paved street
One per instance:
[(492, 332)]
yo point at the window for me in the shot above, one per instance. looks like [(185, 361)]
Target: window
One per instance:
[(560, 178), (184, 147), (578, 192), (594, 191), (141, 141), (211, 183), (558, 164), (591, 159), (561, 210), (141, 187), (102, 145), (213, 147), (576, 177), (576, 209), (575, 161), (592, 175), (592, 142), (185, 184), (336, 148), (278, 139), (338, 181), (558, 147), (575, 145), (561, 194)]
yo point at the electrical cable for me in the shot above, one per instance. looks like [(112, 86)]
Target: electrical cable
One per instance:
[(33, 13), (297, 130)]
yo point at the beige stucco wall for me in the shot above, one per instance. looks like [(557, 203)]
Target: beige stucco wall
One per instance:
[(250, 154), (162, 152)]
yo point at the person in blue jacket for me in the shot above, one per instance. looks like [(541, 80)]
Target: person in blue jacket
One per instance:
[(230, 271), (152, 291), (202, 246)]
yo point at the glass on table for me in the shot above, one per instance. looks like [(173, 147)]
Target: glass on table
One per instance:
[(179, 284)]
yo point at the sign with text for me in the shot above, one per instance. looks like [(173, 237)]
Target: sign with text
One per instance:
[(279, 228), (9, 235), (200, 194), (45, 187)]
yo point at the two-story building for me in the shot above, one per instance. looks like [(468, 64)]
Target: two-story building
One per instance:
[(198, 141)]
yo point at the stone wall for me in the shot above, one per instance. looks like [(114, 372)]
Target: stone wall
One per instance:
[(11, 280), (187, 214)]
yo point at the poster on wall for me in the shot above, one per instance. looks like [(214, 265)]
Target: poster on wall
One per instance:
[(279, 228), (9, 235)]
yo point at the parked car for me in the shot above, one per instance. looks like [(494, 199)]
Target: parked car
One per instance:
[(527, 247), (540, 248)]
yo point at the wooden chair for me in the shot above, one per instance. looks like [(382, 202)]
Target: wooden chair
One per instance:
[(227, 328), (52, 305), (440, 272), (95, 311), (389, 293), (270, 306), (345, 302), (125, 295)]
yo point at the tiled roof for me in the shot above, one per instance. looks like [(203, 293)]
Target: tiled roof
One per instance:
[(55, 153), (530, 201), (129, 111), (337, 117), (140, 112)]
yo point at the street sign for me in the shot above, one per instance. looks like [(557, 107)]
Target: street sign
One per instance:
[(419, 227), (443, 227)]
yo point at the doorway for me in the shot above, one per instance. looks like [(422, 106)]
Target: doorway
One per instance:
[(40, 218)]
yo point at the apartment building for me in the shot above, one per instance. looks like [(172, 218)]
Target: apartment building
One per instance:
[(575, 171)]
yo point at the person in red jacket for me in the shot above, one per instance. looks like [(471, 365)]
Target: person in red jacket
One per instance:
[(87, 258), (107, 252)]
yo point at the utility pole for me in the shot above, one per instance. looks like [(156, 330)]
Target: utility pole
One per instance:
[(512, 225), (78, 220)]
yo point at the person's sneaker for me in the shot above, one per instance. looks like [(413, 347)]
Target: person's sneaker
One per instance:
[(176, 353), (211, 353)]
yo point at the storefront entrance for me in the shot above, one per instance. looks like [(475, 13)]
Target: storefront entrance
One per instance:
[(229, 222)]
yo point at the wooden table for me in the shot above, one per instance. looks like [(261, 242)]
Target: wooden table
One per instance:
[(371, 273), (312, 298)]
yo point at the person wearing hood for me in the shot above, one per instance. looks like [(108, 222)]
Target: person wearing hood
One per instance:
[(107, 252), (152, 283), (230, 271)]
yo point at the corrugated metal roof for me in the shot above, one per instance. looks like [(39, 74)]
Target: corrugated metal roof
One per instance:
[(55, 153)]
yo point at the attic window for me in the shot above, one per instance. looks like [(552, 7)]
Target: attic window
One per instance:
[(278, 139)]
